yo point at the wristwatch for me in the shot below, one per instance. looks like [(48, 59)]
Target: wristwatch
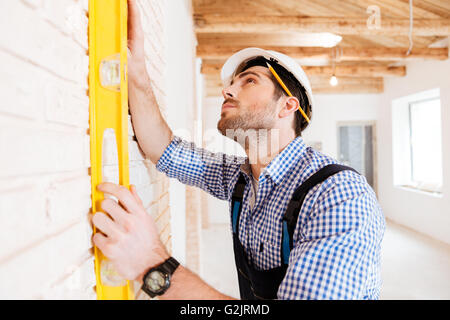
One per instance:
[(157, 280)]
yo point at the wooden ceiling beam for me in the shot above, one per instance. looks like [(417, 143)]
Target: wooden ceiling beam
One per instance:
[(348, 70), (319, 84), (346, 54), (240, 23)]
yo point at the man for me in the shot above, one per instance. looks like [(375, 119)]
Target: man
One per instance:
[(303, 226)]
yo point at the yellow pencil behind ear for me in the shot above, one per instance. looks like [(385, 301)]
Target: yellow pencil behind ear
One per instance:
[(275, 74)]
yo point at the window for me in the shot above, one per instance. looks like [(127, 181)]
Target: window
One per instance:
[(417, 142), (426, 153)]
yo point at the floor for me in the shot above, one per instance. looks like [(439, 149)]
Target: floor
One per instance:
[(414, 266)]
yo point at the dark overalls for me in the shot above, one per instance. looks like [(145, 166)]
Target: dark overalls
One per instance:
[(263, 284)]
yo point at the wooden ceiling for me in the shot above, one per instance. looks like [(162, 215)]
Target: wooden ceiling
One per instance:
[(362, 59)]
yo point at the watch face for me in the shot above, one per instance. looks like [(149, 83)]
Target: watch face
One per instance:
[(156, 281)]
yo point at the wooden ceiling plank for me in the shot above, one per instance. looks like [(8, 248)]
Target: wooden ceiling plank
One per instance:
[(437, 10), (322, 88), (353, 26), (297, 40), (431, 9), (348, 54), (349, 70), (320, 84), (396, 8)]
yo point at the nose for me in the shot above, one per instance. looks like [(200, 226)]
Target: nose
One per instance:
[(227, 93)]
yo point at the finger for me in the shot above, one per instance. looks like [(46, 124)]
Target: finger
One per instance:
[(132, 9), (101, 242), (124, 196), (135, 194), (115, 211), (106, 225), (134, 18)]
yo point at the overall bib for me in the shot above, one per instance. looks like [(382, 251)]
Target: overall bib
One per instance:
[(257, 284)]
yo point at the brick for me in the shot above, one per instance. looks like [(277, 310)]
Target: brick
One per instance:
[(39, 208), (20, 95), (163, 219), (77, 284), (152, 171), (165, 184), (47, 47), (40, 95), (165, 233), (163, 203), (33, 149), (68, 200), (29, 274), (35, 4), (152, 208), (22, 216), (139, 174), (66, 103), (147, 195), (69, 17)]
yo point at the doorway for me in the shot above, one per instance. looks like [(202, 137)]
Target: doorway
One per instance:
[(357, 148)]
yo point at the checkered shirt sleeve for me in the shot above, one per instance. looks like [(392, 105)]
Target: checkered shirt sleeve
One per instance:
[(212, 172)]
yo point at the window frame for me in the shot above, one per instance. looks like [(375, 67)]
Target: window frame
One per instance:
[(403, 174)]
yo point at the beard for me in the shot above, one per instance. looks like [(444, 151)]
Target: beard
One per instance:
[(246, 119)]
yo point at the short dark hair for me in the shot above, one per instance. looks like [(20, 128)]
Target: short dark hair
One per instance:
[(291, 83)]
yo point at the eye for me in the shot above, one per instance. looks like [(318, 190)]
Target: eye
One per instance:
[(251, 80)]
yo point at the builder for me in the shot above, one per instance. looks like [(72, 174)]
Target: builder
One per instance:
[(303, 226)]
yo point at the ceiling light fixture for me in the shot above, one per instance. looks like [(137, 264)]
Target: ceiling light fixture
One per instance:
[(335, 55), (334, 81)]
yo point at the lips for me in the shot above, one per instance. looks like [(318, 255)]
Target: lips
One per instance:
[(228, 106)]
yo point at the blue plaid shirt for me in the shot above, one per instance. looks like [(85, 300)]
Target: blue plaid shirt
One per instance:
[(337, 240)]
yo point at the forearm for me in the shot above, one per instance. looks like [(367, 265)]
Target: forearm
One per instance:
[(185, 285), (152, 131)]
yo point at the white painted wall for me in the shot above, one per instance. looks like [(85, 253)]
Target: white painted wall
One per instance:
[(422, 212)]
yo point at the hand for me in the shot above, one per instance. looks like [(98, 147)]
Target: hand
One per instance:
[(130, 239), (136, 54)]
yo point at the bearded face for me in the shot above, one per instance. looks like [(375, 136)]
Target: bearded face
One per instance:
[(250, 103), (245, 117)]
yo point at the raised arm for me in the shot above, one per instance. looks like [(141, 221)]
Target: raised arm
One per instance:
[(152, 131), (178, 159)]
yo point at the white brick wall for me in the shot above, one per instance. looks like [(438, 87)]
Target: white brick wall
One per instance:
[(45, 232)]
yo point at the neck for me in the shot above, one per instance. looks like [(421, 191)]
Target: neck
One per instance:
[(265, 146)]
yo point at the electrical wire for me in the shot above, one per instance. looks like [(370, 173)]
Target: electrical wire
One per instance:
[(411, 19)]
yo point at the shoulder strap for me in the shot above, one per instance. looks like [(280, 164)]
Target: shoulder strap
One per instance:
[(236, 201), (291, 215)]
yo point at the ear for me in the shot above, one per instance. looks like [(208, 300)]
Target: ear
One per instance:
[(289, 107)]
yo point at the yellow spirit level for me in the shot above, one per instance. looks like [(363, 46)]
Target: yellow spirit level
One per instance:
[(108, 96)]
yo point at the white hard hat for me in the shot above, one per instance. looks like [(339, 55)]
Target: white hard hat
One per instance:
[(230, 67)]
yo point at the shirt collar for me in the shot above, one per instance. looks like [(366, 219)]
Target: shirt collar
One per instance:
[(283, 162)]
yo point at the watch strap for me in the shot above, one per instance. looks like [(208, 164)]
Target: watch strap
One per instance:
[(170, 265)]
